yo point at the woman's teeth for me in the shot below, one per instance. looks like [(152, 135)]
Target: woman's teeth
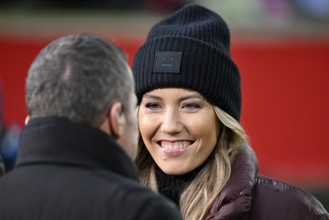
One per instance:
[(175, 145)]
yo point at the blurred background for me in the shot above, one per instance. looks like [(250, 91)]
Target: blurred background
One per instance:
[(280, 46)]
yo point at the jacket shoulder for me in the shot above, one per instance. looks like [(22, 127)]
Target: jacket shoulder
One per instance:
[(96, 194), (274, 199), (139, 201), (147, 204), (159, 208)]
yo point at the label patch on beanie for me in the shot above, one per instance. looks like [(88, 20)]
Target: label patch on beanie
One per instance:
[(167, 62)]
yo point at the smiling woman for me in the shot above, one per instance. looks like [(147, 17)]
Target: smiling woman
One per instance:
[(192, 148), (179, 129)]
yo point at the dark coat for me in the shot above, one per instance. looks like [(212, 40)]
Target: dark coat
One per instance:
[(2, 166), (249, 196), (72, 171)]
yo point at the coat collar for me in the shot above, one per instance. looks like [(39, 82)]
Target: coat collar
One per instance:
[(60, 141), (235, 199)]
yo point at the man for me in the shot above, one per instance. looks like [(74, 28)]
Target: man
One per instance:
[(73, 156)]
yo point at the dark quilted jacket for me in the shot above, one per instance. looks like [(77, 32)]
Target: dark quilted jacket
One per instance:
[(249, 196)]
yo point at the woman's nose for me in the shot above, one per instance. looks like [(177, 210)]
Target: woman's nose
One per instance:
[(171, 123)]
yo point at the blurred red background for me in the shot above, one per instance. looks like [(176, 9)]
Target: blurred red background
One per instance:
[(285, 99)]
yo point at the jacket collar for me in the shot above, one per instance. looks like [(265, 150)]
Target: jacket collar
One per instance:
[(235, 199), (60, 141)]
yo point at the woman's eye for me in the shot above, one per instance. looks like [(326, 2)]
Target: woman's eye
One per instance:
[(152, 106), (191, 106)]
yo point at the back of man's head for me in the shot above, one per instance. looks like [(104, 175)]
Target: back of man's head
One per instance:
[(77, 77)]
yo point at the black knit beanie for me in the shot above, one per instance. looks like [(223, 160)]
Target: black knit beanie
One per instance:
[(190, 49)]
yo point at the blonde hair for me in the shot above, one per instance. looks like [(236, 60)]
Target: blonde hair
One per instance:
[(204, 189)]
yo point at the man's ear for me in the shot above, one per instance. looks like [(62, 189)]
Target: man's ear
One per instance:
[(116, 120)]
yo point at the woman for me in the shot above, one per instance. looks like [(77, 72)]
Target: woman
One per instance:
[(193, 148)]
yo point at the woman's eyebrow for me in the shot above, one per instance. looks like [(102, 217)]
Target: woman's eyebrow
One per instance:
[(182, 98), (149, 96), (190, 97)]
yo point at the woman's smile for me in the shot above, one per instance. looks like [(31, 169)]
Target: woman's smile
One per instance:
[(175, 148)]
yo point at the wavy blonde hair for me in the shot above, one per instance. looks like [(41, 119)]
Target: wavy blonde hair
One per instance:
[(204, 189)]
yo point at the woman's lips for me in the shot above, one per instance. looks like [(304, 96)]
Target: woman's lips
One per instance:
[(175, 148)]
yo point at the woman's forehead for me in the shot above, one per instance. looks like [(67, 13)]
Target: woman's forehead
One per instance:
[(161, 91), (178, 94)]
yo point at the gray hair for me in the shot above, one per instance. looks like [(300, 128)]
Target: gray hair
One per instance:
[(77, 77)]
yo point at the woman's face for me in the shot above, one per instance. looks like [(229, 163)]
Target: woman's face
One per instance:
[(179, 128)]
